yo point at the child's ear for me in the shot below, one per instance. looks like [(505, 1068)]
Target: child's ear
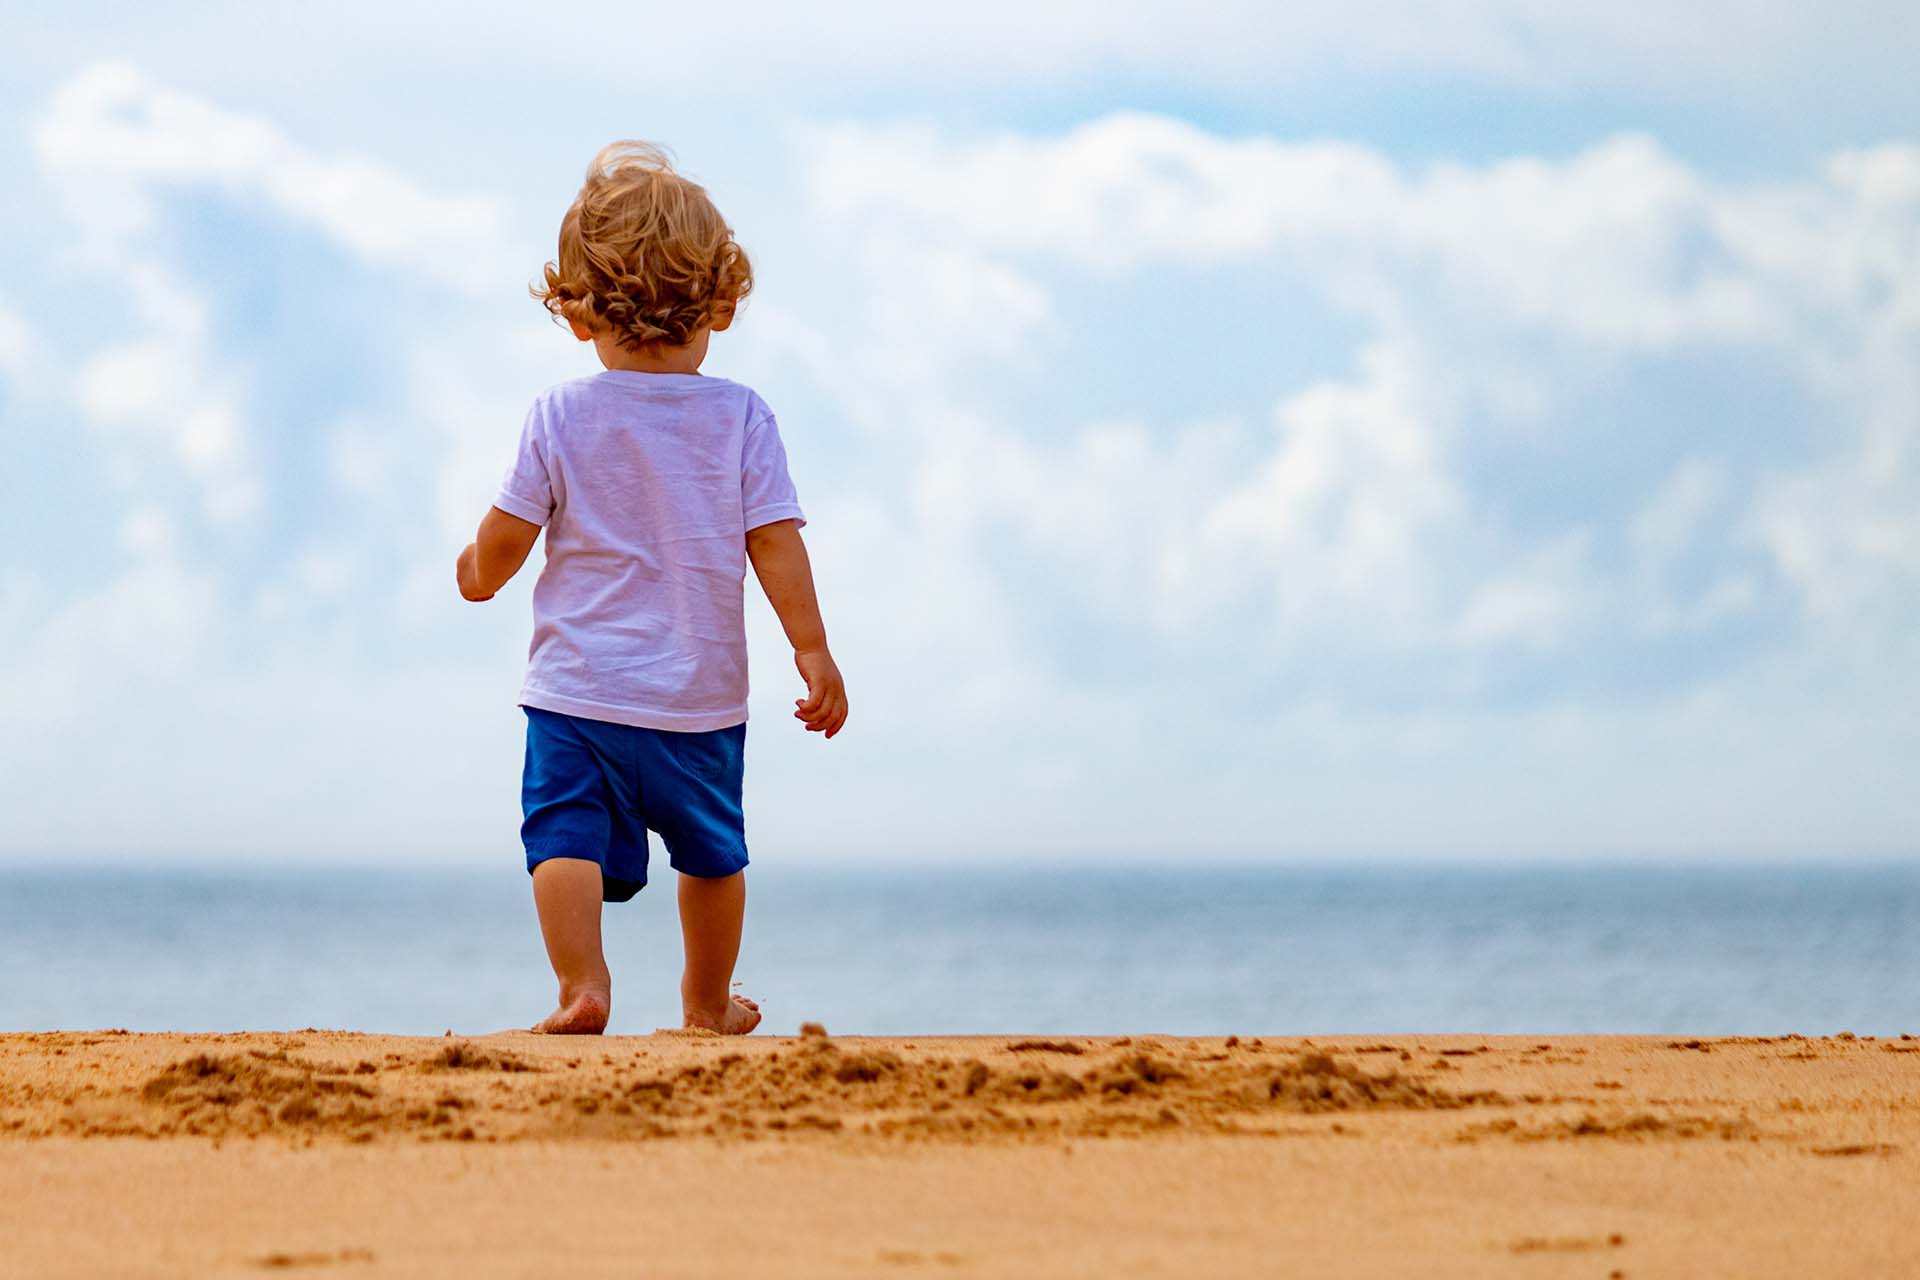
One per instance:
[(580, 331), (720, 319)]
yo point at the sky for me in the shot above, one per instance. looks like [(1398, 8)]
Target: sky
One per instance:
[(1328, 432)]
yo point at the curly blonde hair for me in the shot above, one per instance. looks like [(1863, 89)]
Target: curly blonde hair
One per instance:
[(644, 253)]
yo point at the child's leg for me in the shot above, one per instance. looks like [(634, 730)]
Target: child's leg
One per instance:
[(710, 916), (567, 892)]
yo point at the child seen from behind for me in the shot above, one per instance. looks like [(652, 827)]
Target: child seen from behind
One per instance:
[(656, 486)]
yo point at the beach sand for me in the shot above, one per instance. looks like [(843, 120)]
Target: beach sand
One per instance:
[(338, 1154)]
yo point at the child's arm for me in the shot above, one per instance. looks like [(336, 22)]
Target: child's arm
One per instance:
[(780, 560), (495, 554)]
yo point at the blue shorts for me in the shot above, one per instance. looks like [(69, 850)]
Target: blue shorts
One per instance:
[(592, 790)]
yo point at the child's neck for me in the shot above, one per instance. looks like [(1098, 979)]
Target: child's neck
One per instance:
[(654, 357)]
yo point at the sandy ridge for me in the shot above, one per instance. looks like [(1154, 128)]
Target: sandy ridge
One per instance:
[(335, 1086)]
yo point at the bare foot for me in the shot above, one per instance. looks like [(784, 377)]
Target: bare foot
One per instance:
[(584, 1015), (741, 1016)]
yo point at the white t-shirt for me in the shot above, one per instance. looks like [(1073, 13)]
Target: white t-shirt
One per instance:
[(647, 484)]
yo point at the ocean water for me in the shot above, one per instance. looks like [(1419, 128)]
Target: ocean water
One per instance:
[(1181, 951)]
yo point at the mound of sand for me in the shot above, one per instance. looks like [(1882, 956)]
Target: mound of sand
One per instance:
[(321, 1086), (1124, 1088), (707, 1085)]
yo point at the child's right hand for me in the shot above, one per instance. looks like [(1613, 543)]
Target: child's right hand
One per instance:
[(824, 709), (495, 554), (466, 574)]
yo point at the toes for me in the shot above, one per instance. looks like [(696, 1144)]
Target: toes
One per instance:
[(742, 1017)]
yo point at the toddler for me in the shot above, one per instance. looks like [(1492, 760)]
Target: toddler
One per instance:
[(656, 486)]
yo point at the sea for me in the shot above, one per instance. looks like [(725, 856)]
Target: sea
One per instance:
[(993, 948)]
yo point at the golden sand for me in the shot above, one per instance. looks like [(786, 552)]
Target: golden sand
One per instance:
[(697, 1155)]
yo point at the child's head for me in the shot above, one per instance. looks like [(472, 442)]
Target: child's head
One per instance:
[(644, 256)]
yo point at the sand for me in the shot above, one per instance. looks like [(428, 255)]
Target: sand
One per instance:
[(333, 1153)]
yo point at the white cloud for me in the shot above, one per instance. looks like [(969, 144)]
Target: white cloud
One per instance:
[(1350, 517), (1849, 540), (113, 135), (1348, 508), (1616, 251), (947, 306), (1718, 53), (112, 140), (1621, 243), (162, 384), (1534, 602), (166, 385)]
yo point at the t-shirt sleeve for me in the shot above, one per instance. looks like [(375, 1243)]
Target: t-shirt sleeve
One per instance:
[(527, 491), (766, 490)]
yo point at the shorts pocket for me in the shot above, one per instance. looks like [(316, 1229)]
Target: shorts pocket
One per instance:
[(713, 754)]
